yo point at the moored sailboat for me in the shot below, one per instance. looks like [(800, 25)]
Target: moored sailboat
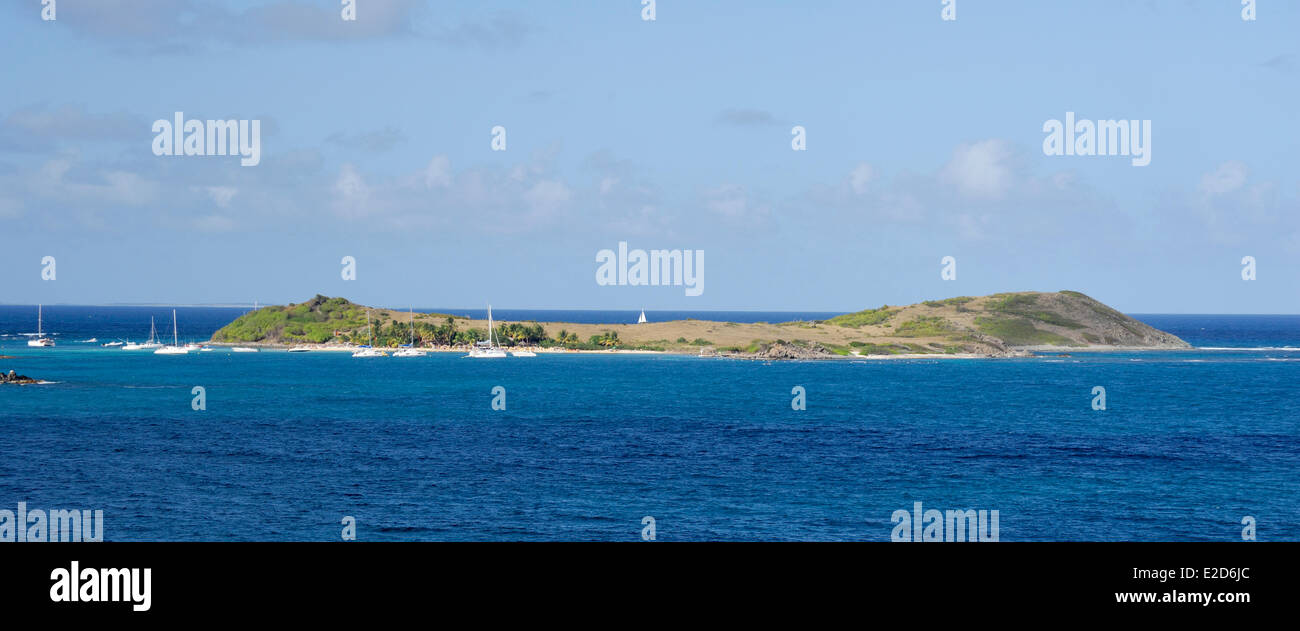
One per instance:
[(369, 350), (411, 350), (152, 343), (175, 348), (41, 340), (487, 349)]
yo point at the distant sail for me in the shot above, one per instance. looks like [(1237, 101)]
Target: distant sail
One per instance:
[(641, 320)]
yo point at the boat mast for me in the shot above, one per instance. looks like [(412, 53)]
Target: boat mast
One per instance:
[(175, 335), (39, 324)]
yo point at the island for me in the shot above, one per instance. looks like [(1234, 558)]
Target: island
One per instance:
[(999, 325)]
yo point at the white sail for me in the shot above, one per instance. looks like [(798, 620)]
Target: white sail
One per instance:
[(40, 340), (490, 351), (175, 348)]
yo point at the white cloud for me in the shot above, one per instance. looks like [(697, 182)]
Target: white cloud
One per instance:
[(1227, 178), (980, 170), (113, 187), (221, 195), (548, 195), (861, 177), (729, 200), (352, 196), (438, 173)]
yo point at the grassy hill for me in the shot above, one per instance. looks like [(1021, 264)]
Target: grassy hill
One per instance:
[(321, 319)]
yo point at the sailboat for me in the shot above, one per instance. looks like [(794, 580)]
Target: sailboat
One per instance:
[(641, 320), (368, 350), (487, 349), (40, 340), (410, 351), (175, 348), (152, 343)]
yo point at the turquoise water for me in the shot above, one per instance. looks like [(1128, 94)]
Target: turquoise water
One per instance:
[(589, 444)]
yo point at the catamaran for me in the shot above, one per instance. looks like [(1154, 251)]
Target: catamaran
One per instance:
[(40, 340), (368, 350), (175, 348), (487, 349), (410, 351)]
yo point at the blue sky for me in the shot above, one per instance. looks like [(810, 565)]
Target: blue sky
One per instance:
[(924, 141)]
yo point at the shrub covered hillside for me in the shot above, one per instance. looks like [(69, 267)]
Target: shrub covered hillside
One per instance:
[(317, 321)]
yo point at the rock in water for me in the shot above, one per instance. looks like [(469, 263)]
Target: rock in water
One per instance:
[(17, 379)]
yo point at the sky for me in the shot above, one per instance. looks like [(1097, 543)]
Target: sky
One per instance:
[(924, 140)]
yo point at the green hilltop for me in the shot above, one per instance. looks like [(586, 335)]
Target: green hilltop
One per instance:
[(319, 320)]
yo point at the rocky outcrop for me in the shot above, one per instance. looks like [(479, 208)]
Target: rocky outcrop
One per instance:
[(14, 378), (786, 350)]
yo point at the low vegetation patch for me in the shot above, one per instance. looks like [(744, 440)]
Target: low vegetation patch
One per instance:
[(864, 318), (1020, 332), (924, 326), (1026, 306)]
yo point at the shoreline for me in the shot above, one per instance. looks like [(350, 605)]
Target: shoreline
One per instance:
[(1027, 352)]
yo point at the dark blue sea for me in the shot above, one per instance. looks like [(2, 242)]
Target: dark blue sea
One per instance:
[(1190, 443)]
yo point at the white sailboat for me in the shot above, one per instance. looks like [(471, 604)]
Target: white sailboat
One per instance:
[(152, 343), (40, 340), (641, 320), (368, 350), (410, 351), (487, 349), (175, 348)]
